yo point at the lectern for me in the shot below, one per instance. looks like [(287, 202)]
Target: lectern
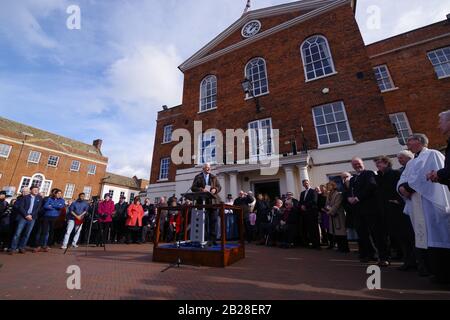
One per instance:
[(198, 228)]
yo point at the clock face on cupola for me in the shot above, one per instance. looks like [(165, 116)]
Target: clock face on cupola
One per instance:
[(251, 28)]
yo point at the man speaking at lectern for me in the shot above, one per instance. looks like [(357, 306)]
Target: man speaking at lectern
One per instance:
[(207, 182)]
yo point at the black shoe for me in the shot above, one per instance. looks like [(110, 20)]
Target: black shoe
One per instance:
[(384, 263), (406, 267), (364, 260)]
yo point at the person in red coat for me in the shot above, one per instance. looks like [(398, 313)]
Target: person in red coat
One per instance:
[(134, 221), (106, 210)]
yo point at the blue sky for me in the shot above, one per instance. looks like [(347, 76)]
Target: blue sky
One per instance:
[(109, 79)]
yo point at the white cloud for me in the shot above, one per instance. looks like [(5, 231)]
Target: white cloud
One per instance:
[(408, 21), (19, 22), (147, 75)]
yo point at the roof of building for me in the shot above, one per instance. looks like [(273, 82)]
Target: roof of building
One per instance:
[(16, 130), (311, 6), (131, 183)]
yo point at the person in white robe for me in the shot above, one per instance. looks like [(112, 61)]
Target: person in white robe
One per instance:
[(428, 205)]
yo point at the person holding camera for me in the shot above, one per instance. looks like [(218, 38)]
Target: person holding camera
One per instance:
[(105, 211)]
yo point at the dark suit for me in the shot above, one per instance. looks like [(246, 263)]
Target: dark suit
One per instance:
[(24, 203), (24, 227), (368, 221), (444, 174), (212, 215), (310, 218)]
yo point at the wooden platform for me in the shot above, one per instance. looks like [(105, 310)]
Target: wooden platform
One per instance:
[(220, 256), (215, 257)]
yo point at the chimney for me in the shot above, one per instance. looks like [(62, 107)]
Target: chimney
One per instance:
[(448, 17), (98, 144)]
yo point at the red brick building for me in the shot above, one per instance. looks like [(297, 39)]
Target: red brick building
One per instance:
[(313, 80), (30, 156)]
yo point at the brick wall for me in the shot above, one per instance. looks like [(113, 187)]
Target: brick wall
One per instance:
[(290, 100), (421, 95), (61, 175)]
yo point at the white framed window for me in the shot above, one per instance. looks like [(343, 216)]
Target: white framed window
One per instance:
[(383, 77), (37, 180), (167, 134), (69, 191), (207, 148), (92, 168), (122, 194), (440, 59), (208, 93), (53, 161), (87, 192), (34, 157), (164, 169), (402, 127), (25, 183), (132, 196), (75, 165), (331, 123), (256, 72), (111, 193), (260, 138), (317, 59), (5, 150), (45, 188)]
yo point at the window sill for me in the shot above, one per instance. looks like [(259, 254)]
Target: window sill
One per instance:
[(444, 77), (247, 97), (389, 90), (213, 109), (162, 180), (322, 77), (74, 170), (168, 142), (50, 166), (31, 162), (338, 144)]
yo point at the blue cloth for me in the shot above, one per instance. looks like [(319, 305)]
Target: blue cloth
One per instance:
[(30, 209), (206, 176), (19, 241), (78, 207), (53, 206)]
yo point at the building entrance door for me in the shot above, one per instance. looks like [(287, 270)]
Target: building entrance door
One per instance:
[(272, 189)]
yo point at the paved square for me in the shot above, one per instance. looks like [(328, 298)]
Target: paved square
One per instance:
[(127, 272)]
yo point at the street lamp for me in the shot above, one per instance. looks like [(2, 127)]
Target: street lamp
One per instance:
[(25, 135), (247, 86), (305, 142)]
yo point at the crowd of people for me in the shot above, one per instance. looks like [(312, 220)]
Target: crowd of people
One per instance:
[(391, 214), (36, 222)]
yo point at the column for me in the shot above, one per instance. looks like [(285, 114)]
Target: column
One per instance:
[(234, 184), (221, 178), (304, 175), (290, 180)]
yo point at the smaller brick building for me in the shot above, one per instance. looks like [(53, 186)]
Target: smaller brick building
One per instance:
[(30, 156), (117, 186)]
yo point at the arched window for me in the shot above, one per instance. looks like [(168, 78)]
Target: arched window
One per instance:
[(256, 72), (317, 59), (37, 180), (208, 93)]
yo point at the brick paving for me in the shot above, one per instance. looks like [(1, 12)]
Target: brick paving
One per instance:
[(127, 272)]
